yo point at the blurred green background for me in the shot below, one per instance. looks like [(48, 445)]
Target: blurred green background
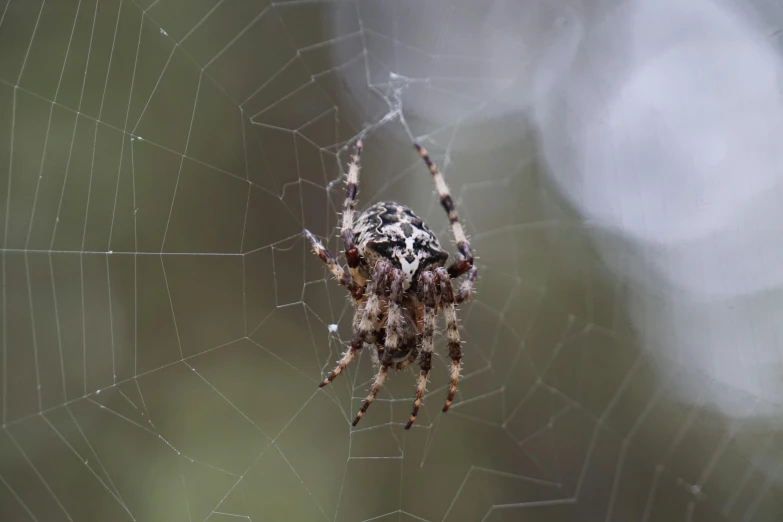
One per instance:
[(165, 326)]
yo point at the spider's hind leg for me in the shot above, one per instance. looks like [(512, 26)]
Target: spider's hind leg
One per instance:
[(366, 324), (455, 344), (395, 336), (376, 387), (427, 292), (356, 344)]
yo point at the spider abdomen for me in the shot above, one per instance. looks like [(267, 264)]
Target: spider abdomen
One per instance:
[(392, 232)]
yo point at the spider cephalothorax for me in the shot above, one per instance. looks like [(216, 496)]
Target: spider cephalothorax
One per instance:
[(399, 282)]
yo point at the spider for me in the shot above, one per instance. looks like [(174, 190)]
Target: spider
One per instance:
[(398, 281)]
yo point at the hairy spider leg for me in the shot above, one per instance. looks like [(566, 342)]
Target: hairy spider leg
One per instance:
[(370, 311), (455, 348), (464, 260), (395, 319), (427, 291), (463, 294), (394, 331), (377, 385), (356, 344), (344, 279), (349, 209)]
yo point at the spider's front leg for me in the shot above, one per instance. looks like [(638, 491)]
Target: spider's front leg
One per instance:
[(349, 209), (344, 279), (395, 335), (366, 323), (464, 260)]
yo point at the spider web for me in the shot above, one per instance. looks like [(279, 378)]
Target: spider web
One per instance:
[(165, 326)]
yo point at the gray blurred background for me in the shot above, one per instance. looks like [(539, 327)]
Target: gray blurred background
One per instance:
[(165, 325)]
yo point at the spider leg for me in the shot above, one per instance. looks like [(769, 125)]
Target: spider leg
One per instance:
[(455, 350), (463, 294), (394, 334), (348, 355), (427, 290), (395, 321), (375, 389), (366, 323), (344, 279), (349, 208), (464, 260)]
